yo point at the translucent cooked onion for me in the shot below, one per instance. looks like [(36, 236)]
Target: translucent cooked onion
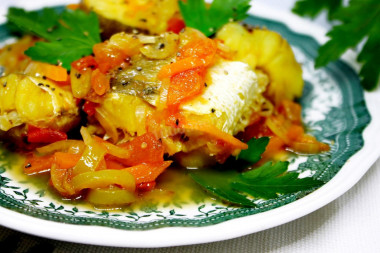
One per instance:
[(110, 197), (277, 126), (80, 82), (164, 47), (69, 146), (147, 39), (92, 155), (115, 150), (59, 180), (104, 119), (103, 179), (91, 158)]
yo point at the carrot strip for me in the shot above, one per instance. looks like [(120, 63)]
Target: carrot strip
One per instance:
[(73, 6), (180, 66), (53, 72), (38, 164), (215, 133), (99, 82), (66, 160)]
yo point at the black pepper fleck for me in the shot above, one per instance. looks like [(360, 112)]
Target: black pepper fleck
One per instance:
[(161, 46), (5, 84), (205, 84), (184, 138), (47, 85), (78, 75), (40, 84), (177, 122), (44, 77), (28, 165), (212, 110)]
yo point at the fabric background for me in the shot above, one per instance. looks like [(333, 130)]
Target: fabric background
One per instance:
[(349, 224)]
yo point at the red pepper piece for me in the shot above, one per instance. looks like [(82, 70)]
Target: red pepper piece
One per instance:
[(85, 63), (44, 135), (89, 108), (175, 25), (146, 186)]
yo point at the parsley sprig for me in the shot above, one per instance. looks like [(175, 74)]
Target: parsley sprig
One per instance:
[(208, 19), (69, 35), (265, 182), (358, 21)]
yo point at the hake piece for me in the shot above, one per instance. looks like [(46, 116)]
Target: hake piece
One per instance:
[(148, 16), (35, 101), (233, 92)]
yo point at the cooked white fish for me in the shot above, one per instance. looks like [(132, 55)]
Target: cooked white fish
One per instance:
[(35, 101), (232, 94)]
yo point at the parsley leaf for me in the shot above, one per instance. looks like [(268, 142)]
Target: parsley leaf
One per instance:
[(256, 148), (38, 23), (70, 35), (312, 8), (209, 19), (265, 182), (359, 21)]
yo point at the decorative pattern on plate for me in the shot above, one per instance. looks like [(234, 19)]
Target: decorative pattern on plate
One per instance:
[(334, 111)]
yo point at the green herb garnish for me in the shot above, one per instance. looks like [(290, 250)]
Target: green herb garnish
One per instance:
[(70, 34), (358, 21), (265, 182), (209, 19), (256, 148), (313, 8)]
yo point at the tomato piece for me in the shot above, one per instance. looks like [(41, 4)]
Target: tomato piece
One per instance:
[(89, 108), (147, 172), (201, 48), (144, 149), (146, 186), (274, 147), (184, 86), (84, 64), (113, 164), (100, 82), (175, 25), (108, 57), (44, 135), (256, 130), (295, 132)]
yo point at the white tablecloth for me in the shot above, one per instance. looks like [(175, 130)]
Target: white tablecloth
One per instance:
[(349, 224)]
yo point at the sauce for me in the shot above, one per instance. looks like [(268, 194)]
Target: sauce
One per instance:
[(174, 187)]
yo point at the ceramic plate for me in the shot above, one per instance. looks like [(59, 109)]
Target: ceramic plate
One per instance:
[(335, 110)]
